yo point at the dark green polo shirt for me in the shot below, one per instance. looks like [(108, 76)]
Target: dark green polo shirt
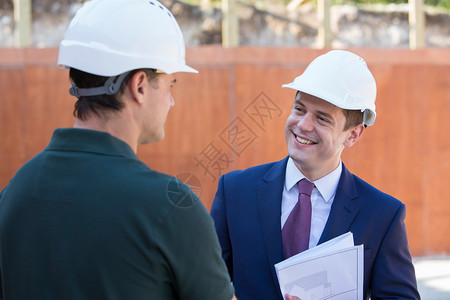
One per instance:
[(85, 219)]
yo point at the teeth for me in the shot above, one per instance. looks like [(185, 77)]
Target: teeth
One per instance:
[(303, 141)]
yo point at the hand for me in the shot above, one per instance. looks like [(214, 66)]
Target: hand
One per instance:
[(289, 297)]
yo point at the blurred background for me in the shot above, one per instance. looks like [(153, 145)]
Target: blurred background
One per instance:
[(285, 23), (232, 114)]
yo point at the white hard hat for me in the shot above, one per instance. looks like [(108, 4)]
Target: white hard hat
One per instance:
[(111, 37), (341, 78)]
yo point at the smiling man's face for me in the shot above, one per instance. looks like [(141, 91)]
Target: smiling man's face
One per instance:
[(315, 135)]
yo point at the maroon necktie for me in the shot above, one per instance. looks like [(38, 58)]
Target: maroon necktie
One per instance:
[(296, 230)]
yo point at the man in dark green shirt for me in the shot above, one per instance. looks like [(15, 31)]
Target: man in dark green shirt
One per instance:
[(85, 219)]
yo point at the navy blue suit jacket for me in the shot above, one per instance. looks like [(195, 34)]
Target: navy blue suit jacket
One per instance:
[(247, 215)]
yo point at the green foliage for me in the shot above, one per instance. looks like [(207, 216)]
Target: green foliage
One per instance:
[(439, 3), (435, 3)]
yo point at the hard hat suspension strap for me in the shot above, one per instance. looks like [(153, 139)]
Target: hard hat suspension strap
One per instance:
[(111, 86)]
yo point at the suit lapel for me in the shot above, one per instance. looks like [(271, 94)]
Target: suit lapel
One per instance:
[(269, 211), (342, 214), (344, 208)]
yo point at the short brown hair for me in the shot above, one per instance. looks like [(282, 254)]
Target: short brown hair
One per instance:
[(352, 118), (93, 104)]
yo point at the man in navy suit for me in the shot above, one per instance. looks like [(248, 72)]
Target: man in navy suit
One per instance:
[(334, 103)]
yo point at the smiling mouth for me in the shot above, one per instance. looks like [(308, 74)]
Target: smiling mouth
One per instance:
[(303, 141)]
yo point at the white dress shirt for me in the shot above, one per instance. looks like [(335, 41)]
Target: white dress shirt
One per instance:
[(322, 198)]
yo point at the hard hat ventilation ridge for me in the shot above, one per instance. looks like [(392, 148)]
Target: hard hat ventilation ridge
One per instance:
[(111, 86), (162, 8), (102, 45)]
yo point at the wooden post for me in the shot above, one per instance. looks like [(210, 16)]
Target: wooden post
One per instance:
[(416, 24), (230, 24), (324, 30), (22, 23), (206, 6)]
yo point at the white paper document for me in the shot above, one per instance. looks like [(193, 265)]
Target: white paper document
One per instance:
[(332, 270)]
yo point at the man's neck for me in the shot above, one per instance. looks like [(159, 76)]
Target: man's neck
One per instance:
[(118, 126), (314, 174)]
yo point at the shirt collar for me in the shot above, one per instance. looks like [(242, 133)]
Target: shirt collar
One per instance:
[(83, 140), (293, 175), (326, 185)]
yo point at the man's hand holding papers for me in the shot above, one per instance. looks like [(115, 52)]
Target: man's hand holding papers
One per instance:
[(332, 270)]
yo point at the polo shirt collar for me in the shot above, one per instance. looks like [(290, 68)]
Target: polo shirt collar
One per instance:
[(84, 140)]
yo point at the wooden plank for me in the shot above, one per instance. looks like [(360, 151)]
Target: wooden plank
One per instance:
[(230, 24), (22, 23), (416, 24), (324, 37)]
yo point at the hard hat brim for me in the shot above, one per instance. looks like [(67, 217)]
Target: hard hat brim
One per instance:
[(369, 114), (124, 62)]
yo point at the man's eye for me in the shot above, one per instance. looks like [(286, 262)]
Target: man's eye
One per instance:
[(322, 119)]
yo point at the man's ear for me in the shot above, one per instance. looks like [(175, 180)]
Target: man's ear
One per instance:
[(354, 134), (137, 85)]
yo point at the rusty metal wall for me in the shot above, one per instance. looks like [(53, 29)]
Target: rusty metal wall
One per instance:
[(232, 115)]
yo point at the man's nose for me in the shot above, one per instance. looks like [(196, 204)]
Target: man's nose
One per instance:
[(306, 122)]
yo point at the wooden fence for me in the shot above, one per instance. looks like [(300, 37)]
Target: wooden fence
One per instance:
[(232, 114)]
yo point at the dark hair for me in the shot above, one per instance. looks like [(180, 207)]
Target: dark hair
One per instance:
[(352, 118), (93, 104)]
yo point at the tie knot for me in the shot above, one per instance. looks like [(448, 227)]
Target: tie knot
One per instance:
[(305, 187)]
